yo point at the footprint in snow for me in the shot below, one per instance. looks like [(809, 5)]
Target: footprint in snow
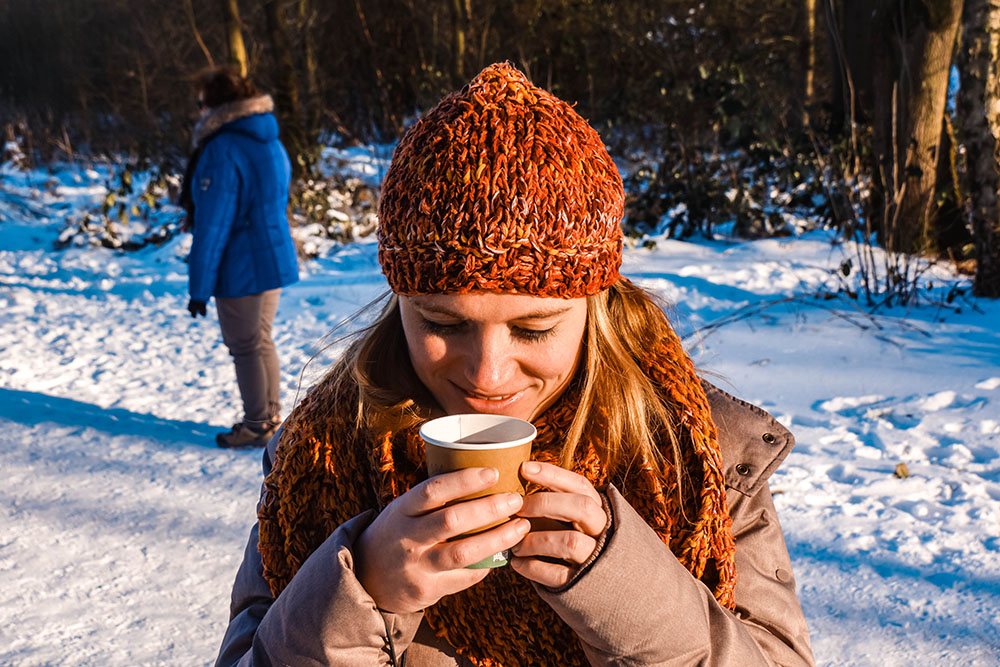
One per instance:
[(845, 474)]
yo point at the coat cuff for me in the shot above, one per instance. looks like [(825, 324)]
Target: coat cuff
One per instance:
[(325, 616)]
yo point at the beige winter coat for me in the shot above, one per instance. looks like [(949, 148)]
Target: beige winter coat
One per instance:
[(635, 604)]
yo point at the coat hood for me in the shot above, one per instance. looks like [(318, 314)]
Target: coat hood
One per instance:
[(251, 117)]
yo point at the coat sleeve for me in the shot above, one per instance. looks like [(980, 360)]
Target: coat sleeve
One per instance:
[(216, 195), (323, 617), (670, 617)]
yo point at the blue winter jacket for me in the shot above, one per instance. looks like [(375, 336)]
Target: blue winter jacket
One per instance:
[(242, 244)]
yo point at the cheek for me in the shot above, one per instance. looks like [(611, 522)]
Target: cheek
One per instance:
[(427, 354), (559, 362), (562, 363)]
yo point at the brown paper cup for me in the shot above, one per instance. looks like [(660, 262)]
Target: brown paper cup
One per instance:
[(464, 441)]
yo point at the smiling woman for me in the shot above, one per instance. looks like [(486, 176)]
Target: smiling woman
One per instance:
[(646, 536)]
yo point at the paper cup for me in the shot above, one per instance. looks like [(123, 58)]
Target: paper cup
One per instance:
[(464, 441)]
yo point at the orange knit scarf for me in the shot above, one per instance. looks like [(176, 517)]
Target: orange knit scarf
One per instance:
[(327, 471)]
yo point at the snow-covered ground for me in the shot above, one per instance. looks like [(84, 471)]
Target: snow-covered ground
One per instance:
[(121, 525)]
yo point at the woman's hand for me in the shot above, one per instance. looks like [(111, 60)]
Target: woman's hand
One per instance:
[(403, 559), (571, 499)]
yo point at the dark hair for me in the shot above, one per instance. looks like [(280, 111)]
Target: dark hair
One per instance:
[(220, 85)]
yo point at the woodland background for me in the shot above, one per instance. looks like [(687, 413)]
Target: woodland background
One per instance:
[(878, 117)]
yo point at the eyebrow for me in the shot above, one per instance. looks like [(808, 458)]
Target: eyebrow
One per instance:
[(534, 315)]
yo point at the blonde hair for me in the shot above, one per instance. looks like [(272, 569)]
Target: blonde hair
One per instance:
[(619, 405), (618, 397)]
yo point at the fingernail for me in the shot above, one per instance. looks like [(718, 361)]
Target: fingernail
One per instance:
[(522, 527), (531, 468), (490, 474), (513, 500)]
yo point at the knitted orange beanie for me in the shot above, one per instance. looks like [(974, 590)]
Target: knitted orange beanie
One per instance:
[(501, 187)]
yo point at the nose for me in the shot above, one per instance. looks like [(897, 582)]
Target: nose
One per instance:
[(489, 362)]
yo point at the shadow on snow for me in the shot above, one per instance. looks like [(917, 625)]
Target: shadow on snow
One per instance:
[(32, 408)]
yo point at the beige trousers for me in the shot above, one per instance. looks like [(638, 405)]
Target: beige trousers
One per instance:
[(246, 330)]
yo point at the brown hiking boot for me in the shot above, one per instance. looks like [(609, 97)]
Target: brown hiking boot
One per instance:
[(246, 436)]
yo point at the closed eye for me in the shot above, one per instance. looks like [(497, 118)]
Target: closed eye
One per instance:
[(439, 328), (532, 335), (451, 328)]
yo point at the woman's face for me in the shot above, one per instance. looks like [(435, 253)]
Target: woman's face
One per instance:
[(506, 354)]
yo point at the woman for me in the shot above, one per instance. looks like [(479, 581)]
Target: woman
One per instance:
[(499, 237), (236, 195)]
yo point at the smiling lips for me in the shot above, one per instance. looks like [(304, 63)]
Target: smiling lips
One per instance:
[(496, 399), (481, 397)]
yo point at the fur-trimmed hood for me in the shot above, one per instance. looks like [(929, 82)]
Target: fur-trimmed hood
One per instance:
[(215, 118)]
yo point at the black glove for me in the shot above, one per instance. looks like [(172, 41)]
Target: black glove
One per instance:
[(196, 308)]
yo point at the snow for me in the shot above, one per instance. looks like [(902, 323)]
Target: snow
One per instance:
[(122, 525)]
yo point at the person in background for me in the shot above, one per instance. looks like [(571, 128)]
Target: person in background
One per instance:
[(500, 239), (235, 193)]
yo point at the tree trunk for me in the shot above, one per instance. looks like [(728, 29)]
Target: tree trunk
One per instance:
[(925, 103), (306, 20), (978, 108), (913, 53), (948, 234), (234, 36), (459, 21), (286, 95), (810, 73)]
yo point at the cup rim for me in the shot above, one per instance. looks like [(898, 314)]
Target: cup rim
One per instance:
[(428, 427)]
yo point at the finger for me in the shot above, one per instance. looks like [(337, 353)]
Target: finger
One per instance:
[(583, 512), (465, 551), (571, 546), (463, 517), (559, 479), (553, 575), (439, 490)]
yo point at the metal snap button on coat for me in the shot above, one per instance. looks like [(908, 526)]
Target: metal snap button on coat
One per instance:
[(769, 438), (743, 468)]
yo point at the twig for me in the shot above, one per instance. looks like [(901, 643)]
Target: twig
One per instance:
[(743, 313), (902, 323), (750, 310)]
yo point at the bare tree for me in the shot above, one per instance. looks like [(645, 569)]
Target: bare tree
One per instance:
[(286, 85), (895, 58), (189, 8), (310, 62), (234, 36), (459, 22), (810, 75), (932, 44), (978, 109)]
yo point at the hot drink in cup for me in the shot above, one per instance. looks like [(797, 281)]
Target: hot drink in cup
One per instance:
[(464, 441)]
